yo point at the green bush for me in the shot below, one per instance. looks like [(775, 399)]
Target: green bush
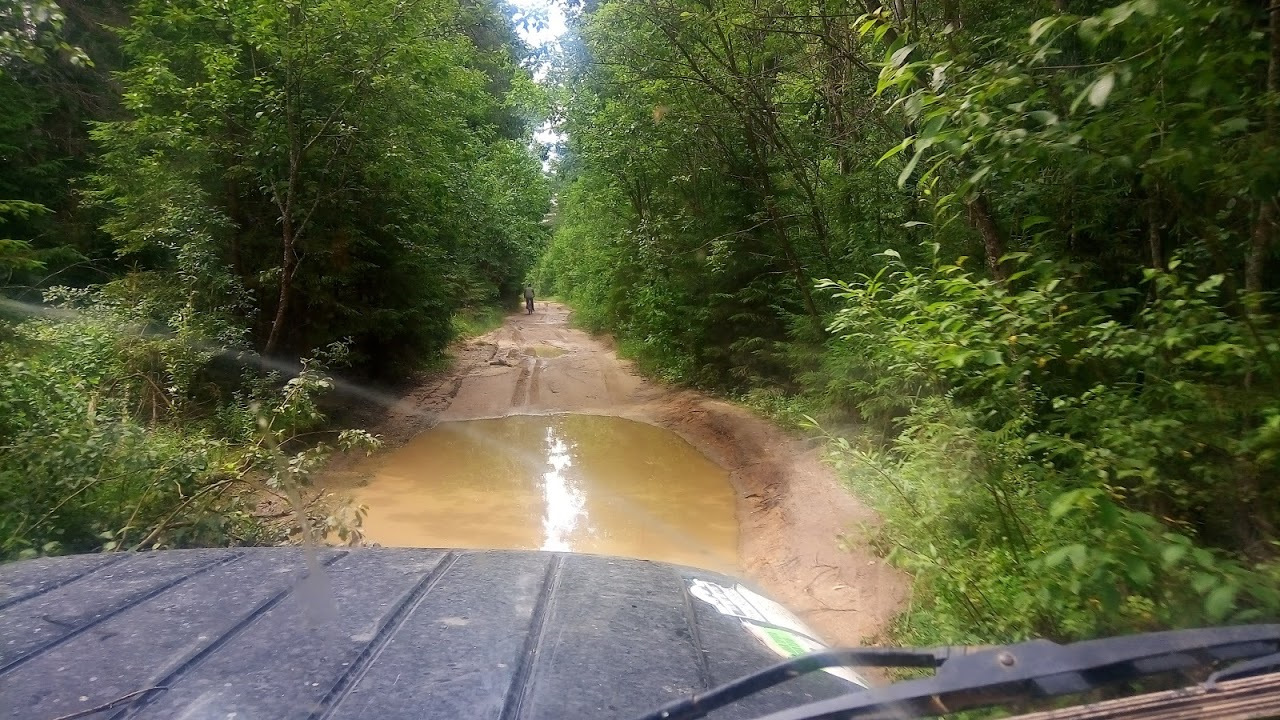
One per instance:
[(110, 442), (1059, 472), (472, 322), (1075, 433)]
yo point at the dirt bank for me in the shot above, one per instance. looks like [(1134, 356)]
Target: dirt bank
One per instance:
[(799, 530)]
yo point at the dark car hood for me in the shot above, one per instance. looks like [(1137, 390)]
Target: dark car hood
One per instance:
[(382, 633)]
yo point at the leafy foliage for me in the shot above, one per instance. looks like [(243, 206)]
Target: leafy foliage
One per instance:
[(1059, 385), (88, 464), (1090, 460), (330, 161), (238, 197)]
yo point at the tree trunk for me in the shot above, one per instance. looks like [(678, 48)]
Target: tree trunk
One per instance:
[(1264, 224), (287, 204), (287, 265), (233, 211), (1155, 241), (951, 13), (797, 268), (760, 169), (993, 244), (1259, 246)]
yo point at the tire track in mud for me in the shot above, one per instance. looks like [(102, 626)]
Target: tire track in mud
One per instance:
[(518, 394), (533, 392), (610, 383)]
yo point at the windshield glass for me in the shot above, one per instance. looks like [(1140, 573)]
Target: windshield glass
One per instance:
[(913, 324)]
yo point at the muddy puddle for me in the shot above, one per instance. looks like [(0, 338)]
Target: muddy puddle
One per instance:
[(545, 351), (581, 483)]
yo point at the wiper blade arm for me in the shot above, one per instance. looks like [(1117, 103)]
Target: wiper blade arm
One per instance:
[(1044, 669), (1247, 668), (973, 677), (699, 704)]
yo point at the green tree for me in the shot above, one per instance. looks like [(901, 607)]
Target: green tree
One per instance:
[(1086, 411), (314, 168)]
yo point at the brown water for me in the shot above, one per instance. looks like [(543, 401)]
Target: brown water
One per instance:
[(581, 483)]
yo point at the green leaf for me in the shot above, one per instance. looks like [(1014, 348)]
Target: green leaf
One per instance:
[(1219, 603), (1172, 554), (1138, 571), (1044, 116), (933, 127), (900, 55), (1109, 516), (1089, 30), (1210, 283), (911, 166), (977, 177), (1040, 27), (1110, 598), (1071, 501), (896, 149), (1233, 125), (1077, 553), (1101, 89), (1202, 582)]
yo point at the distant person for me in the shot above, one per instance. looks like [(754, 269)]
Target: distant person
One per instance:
[(528, 299)]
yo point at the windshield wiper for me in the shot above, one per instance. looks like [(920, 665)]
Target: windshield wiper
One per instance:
[(969, 677)]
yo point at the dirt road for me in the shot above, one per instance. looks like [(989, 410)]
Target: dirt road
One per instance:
[(799, 530)]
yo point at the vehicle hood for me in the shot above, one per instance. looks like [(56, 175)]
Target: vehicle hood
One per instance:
[(383, 633)]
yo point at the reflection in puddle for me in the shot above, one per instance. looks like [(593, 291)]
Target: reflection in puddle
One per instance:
[(554, 482), (564, 503)]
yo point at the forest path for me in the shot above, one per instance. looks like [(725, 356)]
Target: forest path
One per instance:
[(802, 536)]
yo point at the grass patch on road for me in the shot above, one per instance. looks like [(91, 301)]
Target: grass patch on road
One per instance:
[(472, 322)]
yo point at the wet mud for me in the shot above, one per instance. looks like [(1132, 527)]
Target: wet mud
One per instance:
[(800, 535)]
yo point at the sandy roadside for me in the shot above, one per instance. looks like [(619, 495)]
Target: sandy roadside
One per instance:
[(800, 533)]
